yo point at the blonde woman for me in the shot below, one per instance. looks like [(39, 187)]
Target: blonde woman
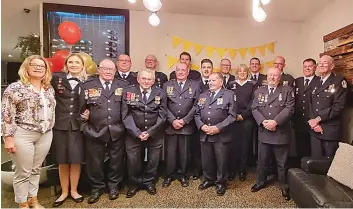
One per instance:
[(28, 114), (243, 89), (68, 141)]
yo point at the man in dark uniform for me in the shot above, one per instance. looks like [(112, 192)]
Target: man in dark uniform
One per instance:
[(182, 95), (185, 57), (258, 78), (104, 129), (151, 63), (303, 87), (144, 115), (196, 166), (206, 70), (273, 105), (326, 109), (215, 113), (286, 79), (124, 69), (226, 66)]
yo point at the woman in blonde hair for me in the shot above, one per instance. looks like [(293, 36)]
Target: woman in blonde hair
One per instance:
[(243, 89), (68, 144), (28, 114)]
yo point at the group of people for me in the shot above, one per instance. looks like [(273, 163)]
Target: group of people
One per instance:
[(203, 122)]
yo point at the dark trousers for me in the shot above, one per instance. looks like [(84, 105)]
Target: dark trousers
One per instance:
[(321, 147), (214, 157), (281, 154), (242, 142), (195, 153), (177, 155), (141, 174), (302, 139), (95, 154), (253, 155)]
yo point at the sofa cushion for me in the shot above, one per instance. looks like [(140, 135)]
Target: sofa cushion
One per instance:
[(311, 190), (341, 168)]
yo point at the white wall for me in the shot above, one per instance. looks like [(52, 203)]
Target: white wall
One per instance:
[(333, 17), (212, 31)]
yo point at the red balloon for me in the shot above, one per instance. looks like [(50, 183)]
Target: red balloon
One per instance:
[(56, 65), (69, 32), (61, 54)]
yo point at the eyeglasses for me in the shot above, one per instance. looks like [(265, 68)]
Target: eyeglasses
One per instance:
[(124, 60), (106, 69), (37, 66), (150, 60), (225, 65), (276, 63)]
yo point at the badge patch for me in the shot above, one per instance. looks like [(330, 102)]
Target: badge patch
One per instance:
[(219, 101), (202, 101), (119, 91), (159, 82), (344, 84), (170, 90), (280, 97), (190, 90), (157, 99), (266, 98), (285, 83), (86, 94), (94, 93)]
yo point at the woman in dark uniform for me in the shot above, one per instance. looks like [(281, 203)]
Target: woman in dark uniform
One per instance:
[(243, 89), (67, 138)]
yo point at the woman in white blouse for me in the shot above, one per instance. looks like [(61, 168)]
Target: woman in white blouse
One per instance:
[(28, 114)]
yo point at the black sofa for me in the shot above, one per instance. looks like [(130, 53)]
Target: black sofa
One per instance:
[(310, 187)]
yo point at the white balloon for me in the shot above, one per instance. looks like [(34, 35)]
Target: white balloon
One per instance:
[(154, 19), (259, 14), (152, 5)]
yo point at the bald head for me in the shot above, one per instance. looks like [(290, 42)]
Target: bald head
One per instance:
[(151, 62), (273, 76), (280, 63)]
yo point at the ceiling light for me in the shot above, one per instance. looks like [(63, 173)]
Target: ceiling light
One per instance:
[(154, 19), (9, 55), (259, 14), (132, 1), (264, 2), (152, 5)]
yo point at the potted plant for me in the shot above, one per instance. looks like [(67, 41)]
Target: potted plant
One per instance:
[(29, 45)]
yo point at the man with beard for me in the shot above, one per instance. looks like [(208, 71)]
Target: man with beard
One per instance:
[(185, 57), (124, 69), (151, 63), (272, 108)]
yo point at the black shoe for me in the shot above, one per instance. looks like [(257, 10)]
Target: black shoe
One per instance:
[(58, 203), (231, 177), (184, 182), (77, 200), (113, 194), (167, 182), (220, 189), (94, 197), (285, 194), (206, 184), (242, 176), (257, 188), (151, 190), (132, 192)]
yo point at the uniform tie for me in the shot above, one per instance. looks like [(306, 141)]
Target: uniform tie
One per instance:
[(271, 91), (321, 82), (212, 95), (206, 82), (107, 89), (144, 97), (181, 86), (254, 78), (124, 76), (224, 80), (306, 82)]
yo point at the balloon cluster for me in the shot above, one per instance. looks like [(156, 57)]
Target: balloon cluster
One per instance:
[(70, 32)]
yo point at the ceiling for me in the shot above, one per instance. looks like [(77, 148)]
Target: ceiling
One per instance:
[(12, 13)]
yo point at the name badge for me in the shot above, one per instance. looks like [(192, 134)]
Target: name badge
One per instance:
[(118, 91), (219, 101), (157, 99)]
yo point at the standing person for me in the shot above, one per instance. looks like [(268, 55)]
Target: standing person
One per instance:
[(286, 79), (226, 66), (104, 130), (215, 113), (326, 110), (182, 97), (151, 63), (68, 142), (144, 115), (195, 153), (258, 78), (185, 57), (28, 115), (124, 69), (272, 107), (243, 90), (303, 87)]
